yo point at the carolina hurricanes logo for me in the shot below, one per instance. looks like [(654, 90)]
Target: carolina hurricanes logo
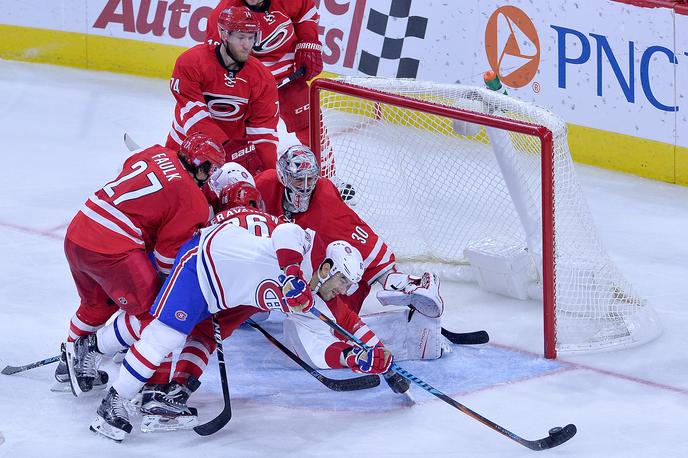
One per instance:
[(269, 295), (282, 32), (225, 107)]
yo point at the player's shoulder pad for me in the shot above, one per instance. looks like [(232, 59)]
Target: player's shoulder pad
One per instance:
[(325, 189), (266, 176)]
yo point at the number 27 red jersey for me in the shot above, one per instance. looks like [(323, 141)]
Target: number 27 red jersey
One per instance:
[(154, 205)]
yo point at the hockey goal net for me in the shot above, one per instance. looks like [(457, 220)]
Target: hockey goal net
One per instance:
[(481, 187)]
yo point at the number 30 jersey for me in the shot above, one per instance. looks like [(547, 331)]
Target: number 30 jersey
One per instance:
[(153, 205)]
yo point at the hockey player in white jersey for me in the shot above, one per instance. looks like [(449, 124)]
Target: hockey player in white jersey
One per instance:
[(223, 268)]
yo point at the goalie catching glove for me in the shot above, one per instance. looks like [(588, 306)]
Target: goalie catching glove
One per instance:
[(421, 293), (375, 360)]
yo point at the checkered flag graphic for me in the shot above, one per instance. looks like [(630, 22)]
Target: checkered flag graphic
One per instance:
[(383, 52)]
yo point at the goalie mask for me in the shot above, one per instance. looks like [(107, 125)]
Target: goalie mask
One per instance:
[(298, 171), (343, 258)]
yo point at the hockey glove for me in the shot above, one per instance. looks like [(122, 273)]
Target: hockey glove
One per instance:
[(376, 360), (297, 295), (243, 152), (421, 293), (309, 56)]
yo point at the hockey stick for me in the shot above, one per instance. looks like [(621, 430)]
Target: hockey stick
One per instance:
[(9, 370), (466, 338), (131, 144), (350, 384), (557, 435), (217, 423), (297, 74)]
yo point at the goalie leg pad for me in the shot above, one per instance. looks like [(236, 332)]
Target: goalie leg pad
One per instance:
[(421, 293), (408, 335)]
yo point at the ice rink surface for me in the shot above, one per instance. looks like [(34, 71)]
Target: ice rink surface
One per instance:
[(61, 135)]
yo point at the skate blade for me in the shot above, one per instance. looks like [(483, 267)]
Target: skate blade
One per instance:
[(100, 426), (162, 423), (64, 387), (61, 387)]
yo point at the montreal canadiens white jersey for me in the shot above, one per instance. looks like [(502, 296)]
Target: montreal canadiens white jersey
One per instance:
[(236, 267)]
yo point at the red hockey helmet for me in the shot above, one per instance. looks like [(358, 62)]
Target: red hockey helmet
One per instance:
[(239, 19), (199, 148), (241, 194)]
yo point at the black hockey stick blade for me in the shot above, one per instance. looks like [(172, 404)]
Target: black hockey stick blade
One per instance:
[(9, 370), (466, 338), (349, 384), (352, 384), (214, 425), (557, 436)]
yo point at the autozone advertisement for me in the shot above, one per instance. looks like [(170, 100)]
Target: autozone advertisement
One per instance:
[(607, 65)]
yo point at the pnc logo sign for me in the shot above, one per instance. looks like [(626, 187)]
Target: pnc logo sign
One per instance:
[(512, 46)]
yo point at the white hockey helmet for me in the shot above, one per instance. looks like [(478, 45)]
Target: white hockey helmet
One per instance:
[(229, 174), (298, 171), (346, 259)]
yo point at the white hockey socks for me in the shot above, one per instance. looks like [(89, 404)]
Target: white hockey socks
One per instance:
[(421, 293), (144, 357), (118, 335)]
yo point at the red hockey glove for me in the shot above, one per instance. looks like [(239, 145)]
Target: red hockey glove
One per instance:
[(243, 152), (377, 360), (309, 56), (297, 295)]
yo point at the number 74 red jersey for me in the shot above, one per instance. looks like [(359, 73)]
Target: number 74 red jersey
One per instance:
[(153, 204)]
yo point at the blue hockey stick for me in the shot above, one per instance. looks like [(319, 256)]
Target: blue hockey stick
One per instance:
[(557, 435)]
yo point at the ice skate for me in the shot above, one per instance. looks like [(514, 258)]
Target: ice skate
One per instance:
[(164, 407), (112, 420), (83, 359), (62, 385)]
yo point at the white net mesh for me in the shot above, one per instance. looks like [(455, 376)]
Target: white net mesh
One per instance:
[(432, 186)]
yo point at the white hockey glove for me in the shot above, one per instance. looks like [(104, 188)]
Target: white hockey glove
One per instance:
[(421, 293)]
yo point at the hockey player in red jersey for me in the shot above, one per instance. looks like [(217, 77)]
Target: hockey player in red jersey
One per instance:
[(296, 191), (289, 41), (151, 208), (223, 91)]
